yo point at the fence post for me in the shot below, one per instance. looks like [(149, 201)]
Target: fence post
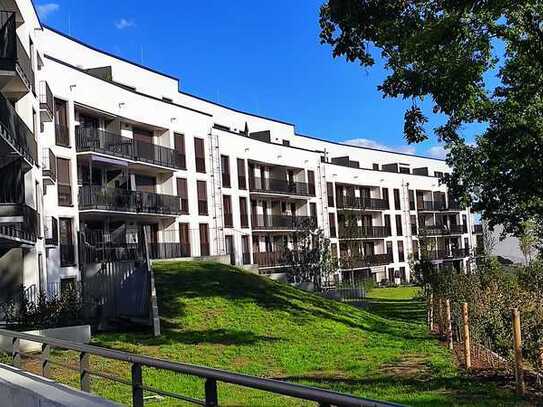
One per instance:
[(15, 353), (84, 377), (449, 324), (519, 372), (467, 344), (211, 393), (431, 312), (137, 383), (45, 350)]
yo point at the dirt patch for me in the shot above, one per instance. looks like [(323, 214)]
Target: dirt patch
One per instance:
[(407, 367)]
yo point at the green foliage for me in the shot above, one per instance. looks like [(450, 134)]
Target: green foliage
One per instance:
[(446, 52)]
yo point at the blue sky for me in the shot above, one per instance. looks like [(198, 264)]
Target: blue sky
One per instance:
[(260, 57)]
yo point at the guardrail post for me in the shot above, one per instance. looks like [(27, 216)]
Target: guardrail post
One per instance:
[(211, 393), (15, 353), (45, 351), (84, 377), (137, 383)]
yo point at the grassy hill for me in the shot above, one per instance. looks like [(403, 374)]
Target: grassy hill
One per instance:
[(218, 316)]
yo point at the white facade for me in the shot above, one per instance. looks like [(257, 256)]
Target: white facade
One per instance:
[(112, 178)]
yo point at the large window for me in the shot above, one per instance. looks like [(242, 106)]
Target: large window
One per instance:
[(330, 193), (225, 171), (201, 190), (199, 155), (204, 239), (227, 208), (67, 249), (62, 136), (64, 182), (397, 204), (401, 255), (184, 239), (399, 229), (332, 221), (243, 216), (311, 182), (242, 180), (183, 194), (179, 145)]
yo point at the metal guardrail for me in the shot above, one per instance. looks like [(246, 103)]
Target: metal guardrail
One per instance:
[(350, 202), (279, 186), (324, 398)]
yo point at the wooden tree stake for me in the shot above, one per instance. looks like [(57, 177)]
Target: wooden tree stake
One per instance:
[(517, 342), (449, 324), (431, 312), (467, 344)]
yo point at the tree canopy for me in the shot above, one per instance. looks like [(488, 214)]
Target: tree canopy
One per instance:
[(476, 62)]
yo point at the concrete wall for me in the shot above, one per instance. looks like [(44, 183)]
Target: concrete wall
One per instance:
[(78, 334)]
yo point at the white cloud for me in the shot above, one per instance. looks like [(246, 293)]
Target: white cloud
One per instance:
[(437, 152), (124, 23), (46, 9), (364, 142)]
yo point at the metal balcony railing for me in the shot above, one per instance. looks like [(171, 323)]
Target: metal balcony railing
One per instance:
[(101, 141), (438, 230), (270, 259), (24, 66), (47, 102), (353, 262), (278, 186), (165, 250), (351, 202), (287, 222), (431, 206), (23, 222), (16, 133), (442, 254), (113, 199), (364, 232), (49, 164)]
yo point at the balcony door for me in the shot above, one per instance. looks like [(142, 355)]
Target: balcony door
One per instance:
[(229, 242), (184, 239)]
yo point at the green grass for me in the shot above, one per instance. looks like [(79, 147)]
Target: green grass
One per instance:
[(394, 293), (218, 316)]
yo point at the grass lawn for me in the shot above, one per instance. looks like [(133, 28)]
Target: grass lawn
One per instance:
[(217, 316)]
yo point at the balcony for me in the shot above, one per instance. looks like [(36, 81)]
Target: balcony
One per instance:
[(439, 230), (120, 200), (168, 250), (16, 72), (351, 202), (47, 103), (282, 222), (364, 232), (49, 165), (278, 186), (18, 225), (15, 136), (438, 206), (89, 139), (270, 259), (355, 262), (478, 229), (51, 231), (442, 254)]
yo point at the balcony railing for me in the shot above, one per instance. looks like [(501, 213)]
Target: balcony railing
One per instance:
[(349, 202), (442, 254), (168, 250), (13, 56), (113, 199), (269, 259), (435, 206), (49, 164), (353, 262), (364, 232), (286, 222), (51, 231), (278, 186), (47, 103), (101, 141), (438, 230), (64, 195), (62, 136), (16, 133), (23, 224)]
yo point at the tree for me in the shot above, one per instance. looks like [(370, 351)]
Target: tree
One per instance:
[(309, 259), (474, 62), (527, 240)]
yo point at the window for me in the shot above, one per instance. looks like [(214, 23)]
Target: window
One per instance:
[(286, 142), (242, 180), (311, 182), (67, 250), (389, 249), (438, 174), (204, 239), (225, 168), (245, 251), (385, 197), (183, 194), (313, 210), (201, 190), (227, 208), (145, 183), (403, 277), (184, 239), (399, 229), (330, 193), (397, 204), (64, 182), (387, 224), (243, 216), (332, 221), (405, 170), (199, 155), (401, 255), (179, 145), (375, 166), (411, 200), (62, 136)]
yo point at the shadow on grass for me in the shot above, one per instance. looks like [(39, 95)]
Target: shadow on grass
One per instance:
[(400, 310), (176, 282)]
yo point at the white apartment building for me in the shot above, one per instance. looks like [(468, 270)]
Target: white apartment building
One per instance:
[(100, 147)]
